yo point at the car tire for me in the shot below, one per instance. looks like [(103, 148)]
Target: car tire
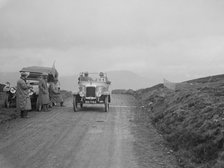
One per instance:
[(75, 107), (7, 104), (106, 104)]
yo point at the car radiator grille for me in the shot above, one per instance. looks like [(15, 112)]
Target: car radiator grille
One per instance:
[(90, 92)]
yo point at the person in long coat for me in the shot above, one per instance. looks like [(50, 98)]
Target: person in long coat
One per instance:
[(23, 103), (54, 93), (43, 98)]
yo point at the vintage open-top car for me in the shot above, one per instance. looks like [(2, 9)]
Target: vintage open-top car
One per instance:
[(92, 88)]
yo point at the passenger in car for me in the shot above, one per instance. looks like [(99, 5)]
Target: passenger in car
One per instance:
[(102, 78), (86, 77)]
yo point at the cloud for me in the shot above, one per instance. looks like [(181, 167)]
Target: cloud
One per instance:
[(14, 60), (174, 39), (178, 59), (31, 24), (3, 3)]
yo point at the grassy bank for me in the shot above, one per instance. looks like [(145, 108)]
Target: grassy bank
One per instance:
[(191, 119)]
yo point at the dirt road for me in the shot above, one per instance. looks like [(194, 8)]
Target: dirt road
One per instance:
[(90, 138)]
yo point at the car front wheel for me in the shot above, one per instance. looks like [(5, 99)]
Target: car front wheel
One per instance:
[(106, 103)]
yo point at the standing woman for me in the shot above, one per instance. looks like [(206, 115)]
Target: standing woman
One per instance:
[(23, 103), (43, 92)]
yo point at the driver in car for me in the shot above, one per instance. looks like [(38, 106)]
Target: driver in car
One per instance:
[(86, 77)]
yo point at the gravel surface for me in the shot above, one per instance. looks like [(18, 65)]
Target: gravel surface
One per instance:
[(90, 138)]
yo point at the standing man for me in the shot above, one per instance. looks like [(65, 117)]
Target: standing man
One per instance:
[(43, 97), (23, 103)]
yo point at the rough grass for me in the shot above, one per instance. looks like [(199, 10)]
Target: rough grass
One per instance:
[(123, 91), (191, 119)]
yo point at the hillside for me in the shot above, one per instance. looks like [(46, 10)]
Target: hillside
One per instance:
[(190, 118), (128, 80)]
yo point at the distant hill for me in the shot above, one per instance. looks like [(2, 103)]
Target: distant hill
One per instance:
[(128, 80), (207, 79), (119, 80), (69, 83)]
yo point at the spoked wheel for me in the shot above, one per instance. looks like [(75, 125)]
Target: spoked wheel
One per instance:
[(106, 103), (75, 108)]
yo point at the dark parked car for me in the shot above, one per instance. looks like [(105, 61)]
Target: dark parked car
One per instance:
[(33, 79)]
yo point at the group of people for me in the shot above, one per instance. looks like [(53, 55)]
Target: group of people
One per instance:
[(85, 77), (47, 97)]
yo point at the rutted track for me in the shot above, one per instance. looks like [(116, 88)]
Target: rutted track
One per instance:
[(90, 138)]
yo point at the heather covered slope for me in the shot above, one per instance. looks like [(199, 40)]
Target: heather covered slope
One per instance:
[(191, 118)]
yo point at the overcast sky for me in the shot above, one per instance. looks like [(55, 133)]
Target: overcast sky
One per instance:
[(172, 39)]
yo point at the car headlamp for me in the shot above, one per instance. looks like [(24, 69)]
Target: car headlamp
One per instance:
[(31, 92), (82, 91), (12, 90), (82, 94)]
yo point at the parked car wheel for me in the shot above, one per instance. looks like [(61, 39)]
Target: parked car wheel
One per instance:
[(81, 105), (75, 103), (7, 104), (106, 103)]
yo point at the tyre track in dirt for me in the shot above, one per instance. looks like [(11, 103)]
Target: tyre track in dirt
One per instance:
[(30, 128), (37, 137), (27, 123), (90, 138)]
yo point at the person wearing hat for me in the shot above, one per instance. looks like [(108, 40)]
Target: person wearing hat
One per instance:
[(43, 98), (102, 78), (23, 103), (86, 77)]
